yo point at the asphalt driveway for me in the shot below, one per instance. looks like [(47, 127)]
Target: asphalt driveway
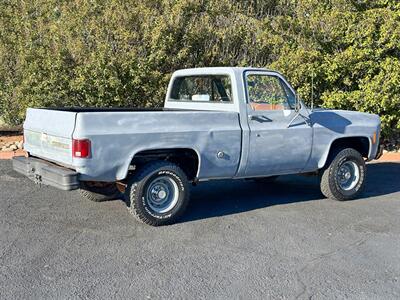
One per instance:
[(239, 240)]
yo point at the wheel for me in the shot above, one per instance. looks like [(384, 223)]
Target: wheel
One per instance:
[(344, 177), (158, 193), (269, 179), (99, 191)]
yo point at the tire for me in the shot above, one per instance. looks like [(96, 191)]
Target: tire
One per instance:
[(266, 180), (158, 194), (344, 177), (98, 192)]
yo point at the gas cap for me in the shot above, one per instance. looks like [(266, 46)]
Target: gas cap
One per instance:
[(220, 154)]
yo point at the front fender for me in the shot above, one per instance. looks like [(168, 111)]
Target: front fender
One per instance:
[(331, 125), (325, 155)]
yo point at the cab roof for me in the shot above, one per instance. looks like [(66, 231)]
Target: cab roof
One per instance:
[(217, 70)]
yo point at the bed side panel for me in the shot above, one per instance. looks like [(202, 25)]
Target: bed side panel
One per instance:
[(117, 136)]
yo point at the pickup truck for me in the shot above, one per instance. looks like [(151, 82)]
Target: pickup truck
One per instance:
[(217, 123)]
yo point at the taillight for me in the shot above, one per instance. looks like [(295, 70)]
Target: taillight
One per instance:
[(81, 148)]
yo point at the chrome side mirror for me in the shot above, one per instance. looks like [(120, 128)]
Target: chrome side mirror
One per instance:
[(297, 107)]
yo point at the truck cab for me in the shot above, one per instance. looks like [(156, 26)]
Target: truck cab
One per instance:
[(279, 133)]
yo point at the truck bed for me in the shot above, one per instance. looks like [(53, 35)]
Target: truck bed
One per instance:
[(118, 134)]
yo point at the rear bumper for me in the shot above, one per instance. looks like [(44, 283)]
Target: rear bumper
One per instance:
[(44, 172)]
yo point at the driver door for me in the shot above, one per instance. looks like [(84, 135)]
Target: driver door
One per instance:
[(280, 138)]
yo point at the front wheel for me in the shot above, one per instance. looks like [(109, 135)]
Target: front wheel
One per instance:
[(158, 193), (344, 178)]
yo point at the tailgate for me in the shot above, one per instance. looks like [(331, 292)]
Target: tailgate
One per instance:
[(48, 134)]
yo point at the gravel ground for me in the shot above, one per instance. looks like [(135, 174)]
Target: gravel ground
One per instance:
[(239, 240)]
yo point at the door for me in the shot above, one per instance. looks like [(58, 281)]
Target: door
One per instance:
[(280, 137)]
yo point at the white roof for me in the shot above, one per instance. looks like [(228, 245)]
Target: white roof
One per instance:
[(216, 70)]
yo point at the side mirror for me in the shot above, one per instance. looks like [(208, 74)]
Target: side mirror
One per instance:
[(297, 107)]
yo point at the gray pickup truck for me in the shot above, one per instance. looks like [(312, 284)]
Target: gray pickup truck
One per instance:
[(217, 123)]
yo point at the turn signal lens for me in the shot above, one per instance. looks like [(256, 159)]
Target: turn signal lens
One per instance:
[(81, 148), (374, 138)]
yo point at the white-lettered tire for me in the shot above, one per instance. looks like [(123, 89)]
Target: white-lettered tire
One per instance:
[(158, 193), (99, 191), (344, 177)]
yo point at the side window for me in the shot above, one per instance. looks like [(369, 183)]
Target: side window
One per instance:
[(268, 92), (211, 88)]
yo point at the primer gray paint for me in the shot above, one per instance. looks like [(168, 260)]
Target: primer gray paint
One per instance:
[(251, 147), (205, 132)]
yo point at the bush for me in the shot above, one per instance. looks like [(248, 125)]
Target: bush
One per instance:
[(122, 53)]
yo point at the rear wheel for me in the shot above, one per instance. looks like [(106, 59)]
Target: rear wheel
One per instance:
[(344, 177), (158, 193), (99, 191)]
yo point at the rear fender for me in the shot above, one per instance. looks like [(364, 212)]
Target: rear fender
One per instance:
[(123, 171)]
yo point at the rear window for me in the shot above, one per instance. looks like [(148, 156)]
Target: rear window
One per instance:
[(210, 88)]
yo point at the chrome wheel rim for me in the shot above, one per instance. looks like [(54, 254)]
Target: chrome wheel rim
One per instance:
[(348, 175), (162, 194)]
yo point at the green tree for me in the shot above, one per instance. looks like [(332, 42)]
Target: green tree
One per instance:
[(122, 53)]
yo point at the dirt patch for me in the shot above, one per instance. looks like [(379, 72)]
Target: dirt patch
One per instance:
[(10, 138), (11, 145), (390, 156), (11, 142)]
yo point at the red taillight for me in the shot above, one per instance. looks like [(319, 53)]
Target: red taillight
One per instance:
[(81, 148)]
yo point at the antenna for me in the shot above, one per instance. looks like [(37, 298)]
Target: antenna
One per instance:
[(312, 89)]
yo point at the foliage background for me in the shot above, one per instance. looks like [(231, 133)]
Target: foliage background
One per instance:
[(122, 53)]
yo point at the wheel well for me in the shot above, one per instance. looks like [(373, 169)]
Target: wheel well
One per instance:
[(187, 159), (361, 144)]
